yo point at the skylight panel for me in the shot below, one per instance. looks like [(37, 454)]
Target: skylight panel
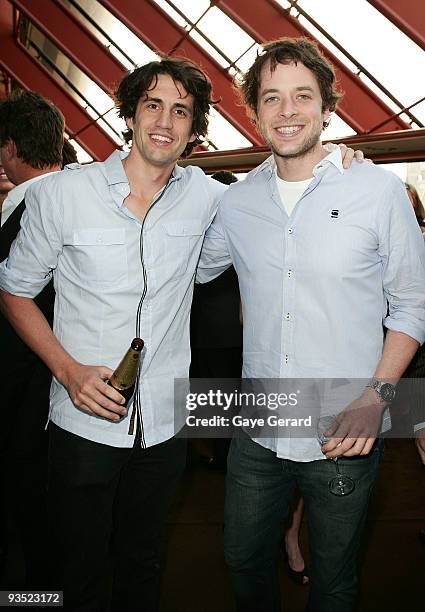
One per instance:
[(382, 48), (208, 48), (167, 8), (192, 10), (248, 58), (337, 128), (83, 156), (233, 40), (122, 36), (223, 134)]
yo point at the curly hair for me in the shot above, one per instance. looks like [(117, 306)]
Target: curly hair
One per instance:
[(141, 80), (284, 51), (35, 125)]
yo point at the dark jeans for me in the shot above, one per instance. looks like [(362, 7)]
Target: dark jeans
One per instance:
[(259, 490), (104, 498)]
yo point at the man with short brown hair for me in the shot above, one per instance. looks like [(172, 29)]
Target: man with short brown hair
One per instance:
[(322, 249)]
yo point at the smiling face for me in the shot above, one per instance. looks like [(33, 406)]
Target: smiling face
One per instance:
[(162, 125), (289, 112)]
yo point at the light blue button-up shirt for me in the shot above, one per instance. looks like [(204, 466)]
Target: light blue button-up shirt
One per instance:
[(315, 285), (104, 259)]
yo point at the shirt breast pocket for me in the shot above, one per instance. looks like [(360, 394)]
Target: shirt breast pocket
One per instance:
[(181, 239), (100, 255)]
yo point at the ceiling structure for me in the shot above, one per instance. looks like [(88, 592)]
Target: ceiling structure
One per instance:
[(75, 51)]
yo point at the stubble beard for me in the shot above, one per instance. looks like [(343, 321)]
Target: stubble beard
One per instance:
[(311, 143), (304, 149)]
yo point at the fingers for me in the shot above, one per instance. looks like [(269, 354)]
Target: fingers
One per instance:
[(362, 447), (348, 447), (100, 401), (96, 409), (359, 156), (349, 154), (89, 392)]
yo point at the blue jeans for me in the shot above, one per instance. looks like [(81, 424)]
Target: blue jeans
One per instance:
[(259, 490)]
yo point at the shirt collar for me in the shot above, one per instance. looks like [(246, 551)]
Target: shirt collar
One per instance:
[(334, 158)]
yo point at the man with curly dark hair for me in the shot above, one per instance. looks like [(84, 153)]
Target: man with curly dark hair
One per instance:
[(122, 238)]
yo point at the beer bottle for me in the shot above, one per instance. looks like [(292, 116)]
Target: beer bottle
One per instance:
[(124, 377)]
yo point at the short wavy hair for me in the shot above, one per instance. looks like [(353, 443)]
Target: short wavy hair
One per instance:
[(284, 51), (35, 125), (137, 83)]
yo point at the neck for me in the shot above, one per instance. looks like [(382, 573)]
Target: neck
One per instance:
[(145, 177), (300, 168), (28, 172)]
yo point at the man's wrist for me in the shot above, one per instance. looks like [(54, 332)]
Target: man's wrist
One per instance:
[(384, 390), (372, 398)]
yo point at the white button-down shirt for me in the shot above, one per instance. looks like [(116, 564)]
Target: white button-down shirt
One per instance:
[(315, 285), (116, 277)]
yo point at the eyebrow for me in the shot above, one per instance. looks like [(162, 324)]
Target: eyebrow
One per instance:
[(176, 105), (300, 88)]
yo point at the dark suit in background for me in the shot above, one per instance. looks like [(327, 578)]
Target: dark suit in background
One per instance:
[(216, 339), (23, 439)]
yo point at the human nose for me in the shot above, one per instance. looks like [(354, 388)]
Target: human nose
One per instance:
[(287, 108), (164, 119)]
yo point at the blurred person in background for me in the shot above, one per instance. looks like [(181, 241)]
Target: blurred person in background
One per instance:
[(418, 207), (31, 141)]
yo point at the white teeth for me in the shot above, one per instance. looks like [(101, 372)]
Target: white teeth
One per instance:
[(289, 129), (160, 138)]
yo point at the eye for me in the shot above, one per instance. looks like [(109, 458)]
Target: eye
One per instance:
[(270, 99), (152, 106), (304, 97), (181, 112)]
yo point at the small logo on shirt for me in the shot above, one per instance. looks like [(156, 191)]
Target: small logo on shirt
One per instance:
[(335, 213)]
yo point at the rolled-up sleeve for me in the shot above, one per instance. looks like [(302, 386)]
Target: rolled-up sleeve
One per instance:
[(34, 253), (403, 256)]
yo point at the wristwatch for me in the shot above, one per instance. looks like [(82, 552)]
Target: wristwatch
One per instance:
[(385, 390)]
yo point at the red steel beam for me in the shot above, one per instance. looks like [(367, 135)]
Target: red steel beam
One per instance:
[(29, 74), (387, 147), (409, 17), (157, 30), (71, 36), (266, 20)]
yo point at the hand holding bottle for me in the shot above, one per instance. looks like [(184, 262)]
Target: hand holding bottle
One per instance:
[(88, 391)]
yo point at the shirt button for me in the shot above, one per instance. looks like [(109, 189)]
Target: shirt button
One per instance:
[(289, 273), (288, 316), (290, 230), (99, 238)]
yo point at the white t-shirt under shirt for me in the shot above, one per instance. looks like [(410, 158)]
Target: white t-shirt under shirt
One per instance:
[(291, 191)]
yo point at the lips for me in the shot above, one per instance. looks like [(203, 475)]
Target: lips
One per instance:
[(161, 139), (289, 130)]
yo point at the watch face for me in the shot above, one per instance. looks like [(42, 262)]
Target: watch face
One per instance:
[(387, 392)]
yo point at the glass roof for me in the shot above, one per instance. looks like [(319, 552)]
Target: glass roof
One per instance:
[(384, 51)]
